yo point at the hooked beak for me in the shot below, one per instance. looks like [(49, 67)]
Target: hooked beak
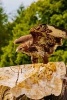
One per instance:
[(17, 50)]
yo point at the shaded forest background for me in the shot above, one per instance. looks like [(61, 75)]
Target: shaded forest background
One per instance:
[(52, 12)]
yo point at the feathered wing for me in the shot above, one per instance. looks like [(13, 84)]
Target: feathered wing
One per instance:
[(23, 39), (56, 32)]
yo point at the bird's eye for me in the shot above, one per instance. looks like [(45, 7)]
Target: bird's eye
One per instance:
[(21, 48)]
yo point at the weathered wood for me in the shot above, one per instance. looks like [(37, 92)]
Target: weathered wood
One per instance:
[(18, 80)]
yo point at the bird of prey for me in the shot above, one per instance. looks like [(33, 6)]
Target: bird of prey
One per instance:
[(41, 42)]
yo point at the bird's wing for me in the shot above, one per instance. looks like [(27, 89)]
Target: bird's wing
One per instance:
[(56, 32), (23, 39)]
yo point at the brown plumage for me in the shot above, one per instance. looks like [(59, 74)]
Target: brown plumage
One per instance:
[(41, 42)]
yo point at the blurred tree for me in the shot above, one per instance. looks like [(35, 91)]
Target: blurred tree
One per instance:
[(3, 28)]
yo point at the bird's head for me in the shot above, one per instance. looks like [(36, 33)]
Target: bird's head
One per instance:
[(25, 42), (24, 47), (20, 48)]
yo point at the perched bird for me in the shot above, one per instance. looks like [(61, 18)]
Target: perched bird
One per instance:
[(41, 42)]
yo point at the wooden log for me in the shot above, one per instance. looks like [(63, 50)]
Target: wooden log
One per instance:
[(15, 81)]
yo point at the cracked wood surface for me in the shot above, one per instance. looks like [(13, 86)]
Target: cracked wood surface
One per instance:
[(33, 80)]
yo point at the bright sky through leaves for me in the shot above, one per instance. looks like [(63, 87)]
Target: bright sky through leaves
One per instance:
[(13, 5)]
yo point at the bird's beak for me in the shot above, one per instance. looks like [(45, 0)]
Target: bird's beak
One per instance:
[(17, 50)]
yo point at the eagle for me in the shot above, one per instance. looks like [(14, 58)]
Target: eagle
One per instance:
[(41, 42)]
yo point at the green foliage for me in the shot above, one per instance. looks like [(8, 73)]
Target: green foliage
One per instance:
[(3, 29), (53, 12), (59, 55)]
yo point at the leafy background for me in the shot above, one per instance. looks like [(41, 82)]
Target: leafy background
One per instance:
[(52, 12)]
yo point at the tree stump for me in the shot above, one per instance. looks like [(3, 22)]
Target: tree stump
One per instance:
[(14, 79)]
